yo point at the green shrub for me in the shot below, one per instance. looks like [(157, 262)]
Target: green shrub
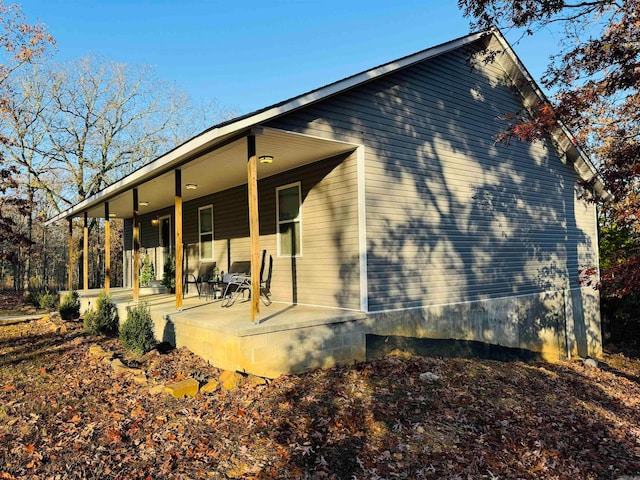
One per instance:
[(34, 283), (70, 306), (137, 331), (104, 319), (169, 273), (147, 272), (48, 301), (33, 298)]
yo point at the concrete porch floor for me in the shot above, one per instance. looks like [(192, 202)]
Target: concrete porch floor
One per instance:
[(287, 339)]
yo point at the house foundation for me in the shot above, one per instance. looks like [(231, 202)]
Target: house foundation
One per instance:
[(296, 338)]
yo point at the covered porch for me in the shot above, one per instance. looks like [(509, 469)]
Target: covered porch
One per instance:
[(287, 339), (171, 187)]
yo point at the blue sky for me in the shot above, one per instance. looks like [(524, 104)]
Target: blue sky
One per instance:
[(246, 54)]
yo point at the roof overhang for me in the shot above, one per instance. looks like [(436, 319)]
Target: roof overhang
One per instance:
[(221, 146), (214, 167), (216, 158), (562, 136)]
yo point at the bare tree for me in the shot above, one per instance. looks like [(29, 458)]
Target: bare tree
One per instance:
[(105, 120), (20, 44), (24, 124), (93, 121), (83, 125)]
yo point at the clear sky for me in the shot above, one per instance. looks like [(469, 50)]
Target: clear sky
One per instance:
[(246, 54)]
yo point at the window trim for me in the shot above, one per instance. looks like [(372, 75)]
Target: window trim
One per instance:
[(200, 233), (297, 220)]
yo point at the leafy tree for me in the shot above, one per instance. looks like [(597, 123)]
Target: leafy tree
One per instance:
[(596, 84)]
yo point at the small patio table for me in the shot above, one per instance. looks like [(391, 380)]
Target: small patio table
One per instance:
[(213, 289)]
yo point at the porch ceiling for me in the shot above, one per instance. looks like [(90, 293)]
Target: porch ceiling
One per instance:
[(220, 169)]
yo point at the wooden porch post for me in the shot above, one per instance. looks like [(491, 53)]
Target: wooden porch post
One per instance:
[(178, 222), (107, 249), (136, 246), (254, 227), (70, 266), (85, 254)]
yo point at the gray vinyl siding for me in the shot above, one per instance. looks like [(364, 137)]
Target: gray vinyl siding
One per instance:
[(149, 236), (230, 227), (329, 235), (452, 216), (327, 273)]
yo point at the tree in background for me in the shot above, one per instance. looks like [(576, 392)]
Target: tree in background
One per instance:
[(82, 125), (86, 123), (20, 44), (595, 78), (23, 123)]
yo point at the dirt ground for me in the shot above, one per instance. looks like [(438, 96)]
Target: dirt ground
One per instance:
[(65, 413), (12, 303)]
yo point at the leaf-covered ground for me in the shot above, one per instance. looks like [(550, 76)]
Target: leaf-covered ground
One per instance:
[(15, 304), (64, 414)]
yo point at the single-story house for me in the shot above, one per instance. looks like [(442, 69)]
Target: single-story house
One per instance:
[(385, 196)]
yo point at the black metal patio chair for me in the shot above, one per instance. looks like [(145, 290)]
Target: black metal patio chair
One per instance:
[(200, 279)]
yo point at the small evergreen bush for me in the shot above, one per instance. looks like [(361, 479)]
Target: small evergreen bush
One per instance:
[(33, 298), (137, 331), (169, 273), (104, 319), (49, 301), (147, 272), (70, 306)]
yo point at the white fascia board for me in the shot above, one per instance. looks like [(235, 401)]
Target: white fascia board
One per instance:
[(165, 161), (583, 164)]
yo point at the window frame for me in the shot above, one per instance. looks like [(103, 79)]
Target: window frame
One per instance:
[(297, 220), (201, 233)]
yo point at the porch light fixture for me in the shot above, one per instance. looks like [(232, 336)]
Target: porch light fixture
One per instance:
[(143, 203), (191, 186), (155, 221), (266, 159), (113, 215)]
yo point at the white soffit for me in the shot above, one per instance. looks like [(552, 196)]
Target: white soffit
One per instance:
[(225, 130), (222, 169)]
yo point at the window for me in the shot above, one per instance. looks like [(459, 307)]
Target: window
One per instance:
[(205, 229), (289, 219), (164, 232)]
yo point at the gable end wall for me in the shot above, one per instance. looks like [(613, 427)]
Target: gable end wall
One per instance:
[(454, 218)]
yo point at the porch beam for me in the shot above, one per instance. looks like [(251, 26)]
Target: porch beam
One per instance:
[(107, 249), (178, 226), (70, 263), (85, 253), (254, 226), (136, 246)]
